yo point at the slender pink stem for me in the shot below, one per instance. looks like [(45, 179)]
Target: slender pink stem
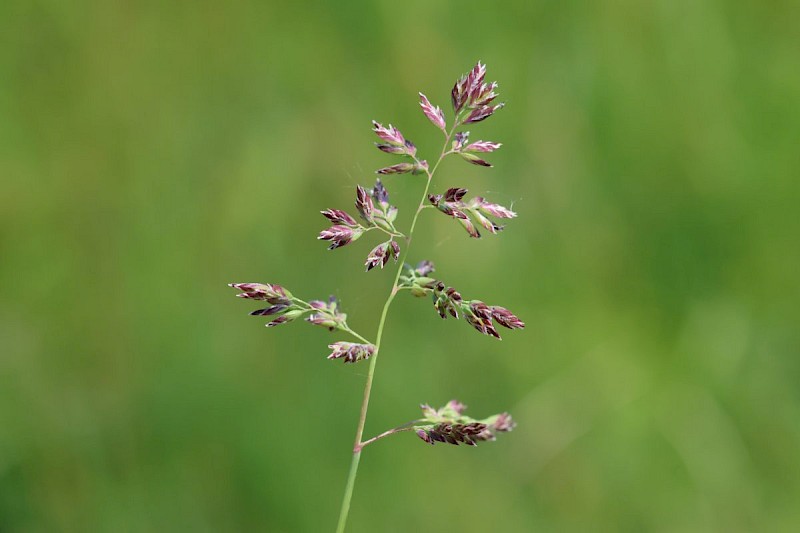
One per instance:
[(398, 429)]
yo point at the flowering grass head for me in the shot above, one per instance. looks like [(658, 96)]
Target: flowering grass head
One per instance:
[(473, 100)]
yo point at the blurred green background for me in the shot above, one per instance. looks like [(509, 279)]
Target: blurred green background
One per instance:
[(151, 152)]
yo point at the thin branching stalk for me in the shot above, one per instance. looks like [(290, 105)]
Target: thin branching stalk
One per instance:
[(405, 427)]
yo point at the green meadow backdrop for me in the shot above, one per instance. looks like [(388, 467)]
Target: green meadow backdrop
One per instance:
[(152, 152)]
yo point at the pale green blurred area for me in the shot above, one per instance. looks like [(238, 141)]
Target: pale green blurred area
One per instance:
[(152, 152)]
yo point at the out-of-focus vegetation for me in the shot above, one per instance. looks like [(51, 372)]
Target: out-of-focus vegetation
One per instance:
[(151, 152)]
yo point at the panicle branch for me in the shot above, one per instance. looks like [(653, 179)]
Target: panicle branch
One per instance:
[(449, 424), (376, 213), (472, 98), (350, 352), (288, 307), (447, 301), (451, 204)]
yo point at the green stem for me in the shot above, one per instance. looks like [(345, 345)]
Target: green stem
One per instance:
[(354, 334), (348, 492), (387, 232), (362, 419)]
